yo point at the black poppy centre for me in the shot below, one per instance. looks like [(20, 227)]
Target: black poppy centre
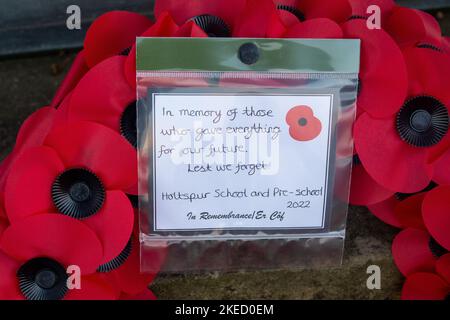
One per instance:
[(302, 122), (42, 279), (78, 193), (213, 26), (128, 126), (422, 121)]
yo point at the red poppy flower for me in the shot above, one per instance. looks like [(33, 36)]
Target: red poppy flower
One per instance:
[(216, 17), (36, 252), (381, 150), (303, 125), (104, 96), (79, 172), (411, 27), (428, 69), (436, 209), (427, 285), (383, 80), (113, 33), (364, 190), (75, 73), (418, 127)]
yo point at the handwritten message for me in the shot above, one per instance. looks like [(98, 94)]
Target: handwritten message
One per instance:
[(223, 161)]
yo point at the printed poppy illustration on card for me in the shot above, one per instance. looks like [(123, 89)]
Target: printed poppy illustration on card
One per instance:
[(303, 125)]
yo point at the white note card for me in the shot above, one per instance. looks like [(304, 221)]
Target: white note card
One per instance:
[(240, 161)]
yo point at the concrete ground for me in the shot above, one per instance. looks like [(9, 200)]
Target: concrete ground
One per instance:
[(27, 83)]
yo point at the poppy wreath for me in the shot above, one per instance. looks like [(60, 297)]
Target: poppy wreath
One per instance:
[(68, 189)]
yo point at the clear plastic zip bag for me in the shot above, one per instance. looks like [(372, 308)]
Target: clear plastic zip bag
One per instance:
[(244, 151)]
